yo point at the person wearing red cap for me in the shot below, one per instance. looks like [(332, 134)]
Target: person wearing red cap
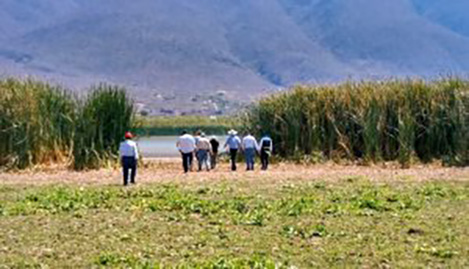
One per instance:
[(129, 156)]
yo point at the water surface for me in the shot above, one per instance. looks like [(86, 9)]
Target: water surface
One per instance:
[(161, 146), (158, 146)]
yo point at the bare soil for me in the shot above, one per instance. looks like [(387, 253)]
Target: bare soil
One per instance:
[(170, 171)]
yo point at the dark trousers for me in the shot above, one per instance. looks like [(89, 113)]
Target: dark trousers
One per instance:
[(187, 159), (129, 163), (265, 159), (233, 153), (213, 160)]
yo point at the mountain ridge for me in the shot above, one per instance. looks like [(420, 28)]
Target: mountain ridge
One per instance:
[(180, 49)]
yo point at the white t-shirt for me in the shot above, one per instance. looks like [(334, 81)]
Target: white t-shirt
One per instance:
[(128, 148), (249, 142), (186, 143)]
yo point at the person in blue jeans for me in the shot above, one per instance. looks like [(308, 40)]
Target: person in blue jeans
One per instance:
[(233, 143), (250, 147), (204, 149)]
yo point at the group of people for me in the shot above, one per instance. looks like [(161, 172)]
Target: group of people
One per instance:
[(249, 146), (205, 151)]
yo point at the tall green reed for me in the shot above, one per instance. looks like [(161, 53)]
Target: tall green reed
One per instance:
[(403, 120), (36, 123), (40, 123), (105, 116)]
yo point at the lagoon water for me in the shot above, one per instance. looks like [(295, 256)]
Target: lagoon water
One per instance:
[(161, 146), (158, 146)]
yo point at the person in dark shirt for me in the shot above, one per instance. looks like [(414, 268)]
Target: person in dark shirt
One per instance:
[(214, 154), (265, 148)]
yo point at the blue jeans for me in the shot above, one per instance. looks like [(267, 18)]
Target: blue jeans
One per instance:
[(202, 157), (250, 154)]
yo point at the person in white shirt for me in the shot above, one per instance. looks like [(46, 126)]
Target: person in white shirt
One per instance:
[(204, 148), (250, 147), (265, 148), (186, 146), (129, 155)]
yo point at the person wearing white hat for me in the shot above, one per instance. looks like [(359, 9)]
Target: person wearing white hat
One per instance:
[(233, 143)]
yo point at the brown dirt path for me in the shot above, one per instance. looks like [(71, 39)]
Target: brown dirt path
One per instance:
[(170, 171)]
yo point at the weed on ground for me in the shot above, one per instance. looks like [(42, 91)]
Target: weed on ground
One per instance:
[(225, 225)]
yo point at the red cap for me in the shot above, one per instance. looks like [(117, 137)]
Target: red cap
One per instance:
[(128, 135)]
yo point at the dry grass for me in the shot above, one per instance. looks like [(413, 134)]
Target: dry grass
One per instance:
[(170, 171)]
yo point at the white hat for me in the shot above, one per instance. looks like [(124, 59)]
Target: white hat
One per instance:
[(232, 132)]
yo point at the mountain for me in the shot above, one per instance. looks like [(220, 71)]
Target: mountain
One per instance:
[(177, 54), (450, 14), (382, 37)]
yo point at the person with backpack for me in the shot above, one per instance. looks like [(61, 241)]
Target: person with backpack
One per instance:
[(128, 152), (233, 143), (265, 150)]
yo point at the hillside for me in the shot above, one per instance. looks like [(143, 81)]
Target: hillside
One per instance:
[(177, 54), (450, 14)]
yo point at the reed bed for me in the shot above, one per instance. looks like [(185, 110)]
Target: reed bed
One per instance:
[(411, 120), (106, 115), (36, 123), (41, 123)]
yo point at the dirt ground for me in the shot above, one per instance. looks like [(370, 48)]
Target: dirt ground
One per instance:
[(170, 171)]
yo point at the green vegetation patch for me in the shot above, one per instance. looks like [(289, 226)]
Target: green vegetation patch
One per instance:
[(153, 126), (237, 225)]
